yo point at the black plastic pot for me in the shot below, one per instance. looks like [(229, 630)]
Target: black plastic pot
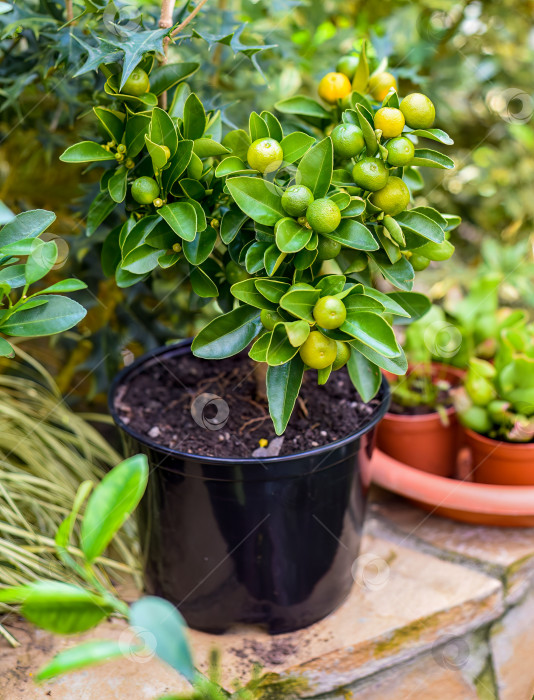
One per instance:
[(268, 542)]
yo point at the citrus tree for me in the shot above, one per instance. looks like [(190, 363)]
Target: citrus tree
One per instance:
[(288, 229)]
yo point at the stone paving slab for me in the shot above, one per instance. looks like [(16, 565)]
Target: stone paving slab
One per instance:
[(505, 553), (403, 602)]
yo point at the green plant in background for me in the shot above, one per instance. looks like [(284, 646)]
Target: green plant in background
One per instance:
[(426, 386), (498, 399), (25, 258), (287, 203), (66, 608)]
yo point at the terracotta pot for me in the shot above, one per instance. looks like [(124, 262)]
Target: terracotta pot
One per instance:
[(482, 504), (496, 462), (423, 441)]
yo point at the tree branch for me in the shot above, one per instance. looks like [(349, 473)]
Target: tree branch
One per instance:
[(167, 10), (69, 11), (189, 18)]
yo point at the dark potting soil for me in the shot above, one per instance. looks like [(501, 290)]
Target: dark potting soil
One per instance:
[(157, 403)]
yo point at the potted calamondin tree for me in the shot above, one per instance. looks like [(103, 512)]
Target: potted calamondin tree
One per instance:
[(289, 231)]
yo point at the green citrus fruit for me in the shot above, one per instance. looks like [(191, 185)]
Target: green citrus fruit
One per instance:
[(264, 154), (235, 273), (400, 151), (393, 198), (419, 262), (145, 190), (296, 199), (390, 121), (327, 248), (348, 140), (334, 87), (342, 356), (370, 174), (270, 318), (329, 312), (419, 111), (317, 351), (380, 84), (323, 215), (348, 65), (137, 84)]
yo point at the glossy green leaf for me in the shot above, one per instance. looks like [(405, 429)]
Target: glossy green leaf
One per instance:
[(365, 376), (283, 386), (280, 349), (6, 349), (361, 77), (134, 135), (228, 334), (246, 292), (113, 500), (389, 304), (157, 154), (141, 260), (422, 225), (258, 129), (14, 276), (297, 332), (304, 107), (166, 633), (434, 135), (274, 126), (400, 274), (165, 77), (58, 607), (238, 141), (272, 259), (372, 330), (258, 351), (300, 303), (182, 218), (40, 261), (194, 118), (342, 199), (353, 234), (414, 303), (202, 283), (85, 152), (57, 315), (396, 365), (331, 284), (81, 656), (101, 207), (361, 302), (177, 164), (205, 148), (138, 45), (117, 184), (295, 145), (256, 199), (230, 166), (163, 131), (273, 290), (368, 131), (133, 236), (315, 168), (231, 224), (291, 236), (111, 121), (28, 224), (432, 159), (201, 247), (255, 257)]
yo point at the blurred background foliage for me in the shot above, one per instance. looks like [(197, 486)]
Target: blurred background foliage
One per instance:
[(474, 59)]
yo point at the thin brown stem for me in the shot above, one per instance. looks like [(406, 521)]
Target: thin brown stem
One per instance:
[(189, 17), (69, 11), (165, 22)]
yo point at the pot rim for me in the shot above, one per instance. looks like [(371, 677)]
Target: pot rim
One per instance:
[(121, 377), (491, 442), (443, 492)]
